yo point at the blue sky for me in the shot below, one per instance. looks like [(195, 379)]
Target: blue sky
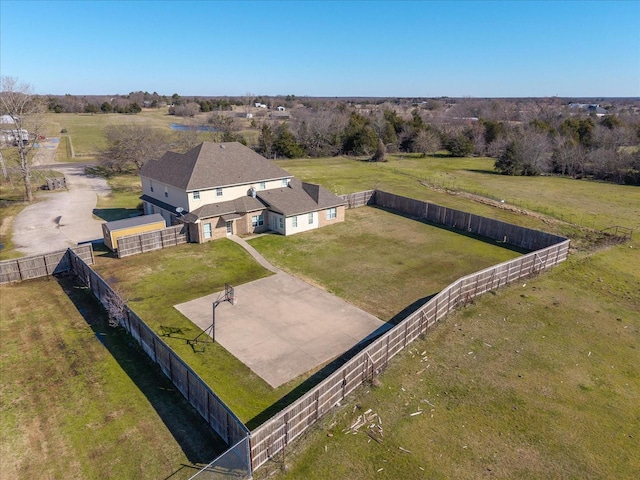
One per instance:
[(325, 48)]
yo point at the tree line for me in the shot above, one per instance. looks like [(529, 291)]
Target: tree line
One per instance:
[(571, 143), (564, 143), (524, 136)]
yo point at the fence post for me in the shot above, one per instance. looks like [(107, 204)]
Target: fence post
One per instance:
[(386, 361)]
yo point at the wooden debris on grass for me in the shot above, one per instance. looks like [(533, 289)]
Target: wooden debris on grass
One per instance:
[(371, 424)]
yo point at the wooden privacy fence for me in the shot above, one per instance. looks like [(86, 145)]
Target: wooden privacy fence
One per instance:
[(149, 241), (194, 389), (358, 199), (522, 237), (35, 266), (272, 436)]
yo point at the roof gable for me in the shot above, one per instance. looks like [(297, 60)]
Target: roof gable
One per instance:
[(299, 198), (211, 165)]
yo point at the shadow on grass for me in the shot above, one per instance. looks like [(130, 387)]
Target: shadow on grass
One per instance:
[(111, 214), (457, 231), (481, 170), (330, 368), (409, 309), (101, 250), (196, 438)]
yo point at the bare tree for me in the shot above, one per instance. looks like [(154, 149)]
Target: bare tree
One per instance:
[(568, 157), (116, 306), (26, 111), (185, 140), (425, 142), (132, 145), (190, 109), (223, 125)]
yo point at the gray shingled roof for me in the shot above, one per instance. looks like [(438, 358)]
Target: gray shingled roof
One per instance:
[(239, 205), (134, 222), (299, 198), (211, 165)]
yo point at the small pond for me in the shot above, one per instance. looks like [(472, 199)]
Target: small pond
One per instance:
[(200, 128)]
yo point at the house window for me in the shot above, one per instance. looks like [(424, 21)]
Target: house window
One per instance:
[(219, 192), (207, 230), (311, 218), (281, 222), (285, 182), (196, 195), (294, 222), (331, 213), (257, 220), (166, 193), (263, 185), (151, 185)]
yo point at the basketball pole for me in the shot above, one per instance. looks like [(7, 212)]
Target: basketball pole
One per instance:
[(213, 324), (228, 297)]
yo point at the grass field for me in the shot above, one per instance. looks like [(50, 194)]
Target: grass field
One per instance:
[(379, 261), (79, 402), (550, 390), (85, 132), (155, 282), (536, 381), (531, 382), (123, 201), (581, 202)]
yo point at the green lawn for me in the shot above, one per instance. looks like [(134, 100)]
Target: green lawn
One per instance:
[(347, 259), (586, 203), (86, 131), (549, 390), (123, 201), (379, 261), (539, 380), (79, 401)]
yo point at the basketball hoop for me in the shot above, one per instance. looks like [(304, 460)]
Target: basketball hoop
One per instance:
[(210, 332)]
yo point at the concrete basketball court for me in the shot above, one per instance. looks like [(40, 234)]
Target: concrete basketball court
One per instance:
[(282, 327)]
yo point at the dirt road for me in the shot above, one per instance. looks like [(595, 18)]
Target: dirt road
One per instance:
[(60, 219)]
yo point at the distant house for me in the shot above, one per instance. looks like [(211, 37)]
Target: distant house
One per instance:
[(220, 189), (260, 105), (590, 108), (281, 108), (281, 115)]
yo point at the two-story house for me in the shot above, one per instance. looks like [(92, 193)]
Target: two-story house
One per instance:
[(220, 189)]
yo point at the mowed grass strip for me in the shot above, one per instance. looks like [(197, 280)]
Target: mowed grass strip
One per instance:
[(78, 401), (538, 380), (380, 261)]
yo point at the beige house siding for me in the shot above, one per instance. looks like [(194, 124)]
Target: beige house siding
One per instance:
[(174, 196), (210, 196)]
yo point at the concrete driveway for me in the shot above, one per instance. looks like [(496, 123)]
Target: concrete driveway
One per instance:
[(63, 219)]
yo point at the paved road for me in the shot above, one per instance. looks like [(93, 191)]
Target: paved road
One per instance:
[(60, 219)]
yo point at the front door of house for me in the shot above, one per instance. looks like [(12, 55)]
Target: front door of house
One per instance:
[(229, 228)]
